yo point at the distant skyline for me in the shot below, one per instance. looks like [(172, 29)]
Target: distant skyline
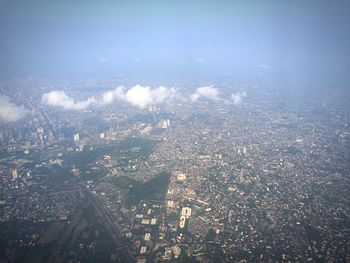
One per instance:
[(169, 37)]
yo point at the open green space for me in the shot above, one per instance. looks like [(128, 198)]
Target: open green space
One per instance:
[(51, 233), (123, 152), (155, 189)]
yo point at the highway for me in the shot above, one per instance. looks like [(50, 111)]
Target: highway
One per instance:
[(111, 227)]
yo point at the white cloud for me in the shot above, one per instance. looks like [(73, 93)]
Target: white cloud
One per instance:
[(145, 96), (206, 91), (136, 59), (137, 96), (58, 98), (199, 60), (238, 97), (110, 96), (10, 112), (104, 60), (195, 97), (264, 66)]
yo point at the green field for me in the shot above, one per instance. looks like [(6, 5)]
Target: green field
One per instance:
[(155, 189), (51, 233)]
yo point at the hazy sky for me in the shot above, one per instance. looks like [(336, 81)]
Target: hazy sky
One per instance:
[(85, 37)]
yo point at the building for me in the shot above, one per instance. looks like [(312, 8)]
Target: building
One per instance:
[(76, 137), (164, 124), (147, 236), (14, 174), (170, 204), (182, 222), (143, 250), (186, 212), (181, 177), (176, 251)]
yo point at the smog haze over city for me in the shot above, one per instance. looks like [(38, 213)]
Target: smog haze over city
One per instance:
[(174, 131)]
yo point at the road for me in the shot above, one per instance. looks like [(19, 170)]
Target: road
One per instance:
[(111, 227)]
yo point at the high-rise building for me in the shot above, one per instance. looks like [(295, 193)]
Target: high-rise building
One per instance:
[(164, 124), (14, 174), (76, 137)]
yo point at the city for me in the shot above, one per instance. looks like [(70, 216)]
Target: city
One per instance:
[(167, 131), (203, 181)]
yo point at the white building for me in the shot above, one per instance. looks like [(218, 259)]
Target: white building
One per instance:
[(14, 174), (164, 124), (147, 236), (186, 212), (76, 137), (182, 221)]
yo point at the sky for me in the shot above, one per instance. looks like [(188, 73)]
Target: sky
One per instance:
[(164, 37)]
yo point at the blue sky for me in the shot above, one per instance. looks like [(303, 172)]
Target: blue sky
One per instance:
[(111, 37)]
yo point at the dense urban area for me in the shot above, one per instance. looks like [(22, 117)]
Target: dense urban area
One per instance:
[(261, 178)]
